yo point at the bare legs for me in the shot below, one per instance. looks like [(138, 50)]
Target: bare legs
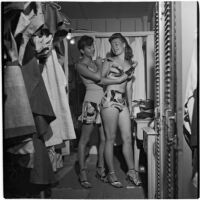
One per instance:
[(111, 119), (86, 131), (100, 162), (84, 139), (125, 129)]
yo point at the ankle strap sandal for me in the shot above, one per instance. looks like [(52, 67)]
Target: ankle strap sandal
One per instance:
[(83, 179), (112, 179), (133, 177), (101, 175)]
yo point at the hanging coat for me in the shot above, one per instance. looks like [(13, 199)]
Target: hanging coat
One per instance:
[(18, 119)]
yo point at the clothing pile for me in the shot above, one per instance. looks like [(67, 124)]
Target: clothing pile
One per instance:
[(37, 118)]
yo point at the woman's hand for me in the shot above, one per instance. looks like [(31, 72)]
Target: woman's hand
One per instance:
[(114, 70), (135, 63), (123, 78), (119, 79), (117, 66), (99, 61)]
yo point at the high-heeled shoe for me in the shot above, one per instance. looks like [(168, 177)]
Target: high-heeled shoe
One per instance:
[(133, 177), (83, 179), (101, 175), (112, 179)]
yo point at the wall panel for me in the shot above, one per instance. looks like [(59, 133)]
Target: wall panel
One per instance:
[(112, 25)]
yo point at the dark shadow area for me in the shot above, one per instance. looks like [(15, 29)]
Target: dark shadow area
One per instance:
[(17, 180)]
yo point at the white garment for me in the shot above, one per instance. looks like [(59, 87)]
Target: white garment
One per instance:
[(55, 82), (139, 89), (191, 86)]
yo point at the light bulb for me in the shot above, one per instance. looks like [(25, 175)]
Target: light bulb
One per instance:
[(69, 36), (72, 41)]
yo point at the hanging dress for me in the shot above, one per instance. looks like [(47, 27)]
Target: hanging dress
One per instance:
[(55, 82)]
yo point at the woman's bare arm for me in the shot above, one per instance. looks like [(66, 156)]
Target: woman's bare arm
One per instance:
[(109, 81), (84, 71)]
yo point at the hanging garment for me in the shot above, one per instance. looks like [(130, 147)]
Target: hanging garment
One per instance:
[(55, 82), (43, 46), (56, 24), (66, 63), (55, 21), (39, 100), (190, 95), (9, 7), (139, 90), (194, 137), (36, 22), (190, 113), (11, 12), (18, 119), (42, 172), (24, 21)]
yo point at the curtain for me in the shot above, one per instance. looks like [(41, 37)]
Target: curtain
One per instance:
[(102, 47), (139, 90)]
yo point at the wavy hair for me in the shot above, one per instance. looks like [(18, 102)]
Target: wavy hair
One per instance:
[(128, 50)]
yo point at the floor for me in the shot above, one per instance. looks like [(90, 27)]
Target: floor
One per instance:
[(68, 186)]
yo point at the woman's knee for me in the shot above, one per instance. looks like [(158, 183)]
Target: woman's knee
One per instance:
[(127, 139), (102, 140), (110, 139), (83, 140)]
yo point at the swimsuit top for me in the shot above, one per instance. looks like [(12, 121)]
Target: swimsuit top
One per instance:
[(94, 92)]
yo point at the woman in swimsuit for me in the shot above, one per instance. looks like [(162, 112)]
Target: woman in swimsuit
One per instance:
[(90, 73), (116, 107)]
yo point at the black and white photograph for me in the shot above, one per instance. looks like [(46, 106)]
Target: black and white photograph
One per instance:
[(100, 99)]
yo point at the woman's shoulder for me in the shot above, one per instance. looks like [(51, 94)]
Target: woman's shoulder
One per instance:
[(80, 66), (81, 63)]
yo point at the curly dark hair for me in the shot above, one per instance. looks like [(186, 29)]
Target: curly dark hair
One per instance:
[(85, 41), (128, 50)]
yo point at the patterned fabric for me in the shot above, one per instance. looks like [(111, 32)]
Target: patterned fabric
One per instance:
[(55, 158), (90, 113), (113, 98)]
